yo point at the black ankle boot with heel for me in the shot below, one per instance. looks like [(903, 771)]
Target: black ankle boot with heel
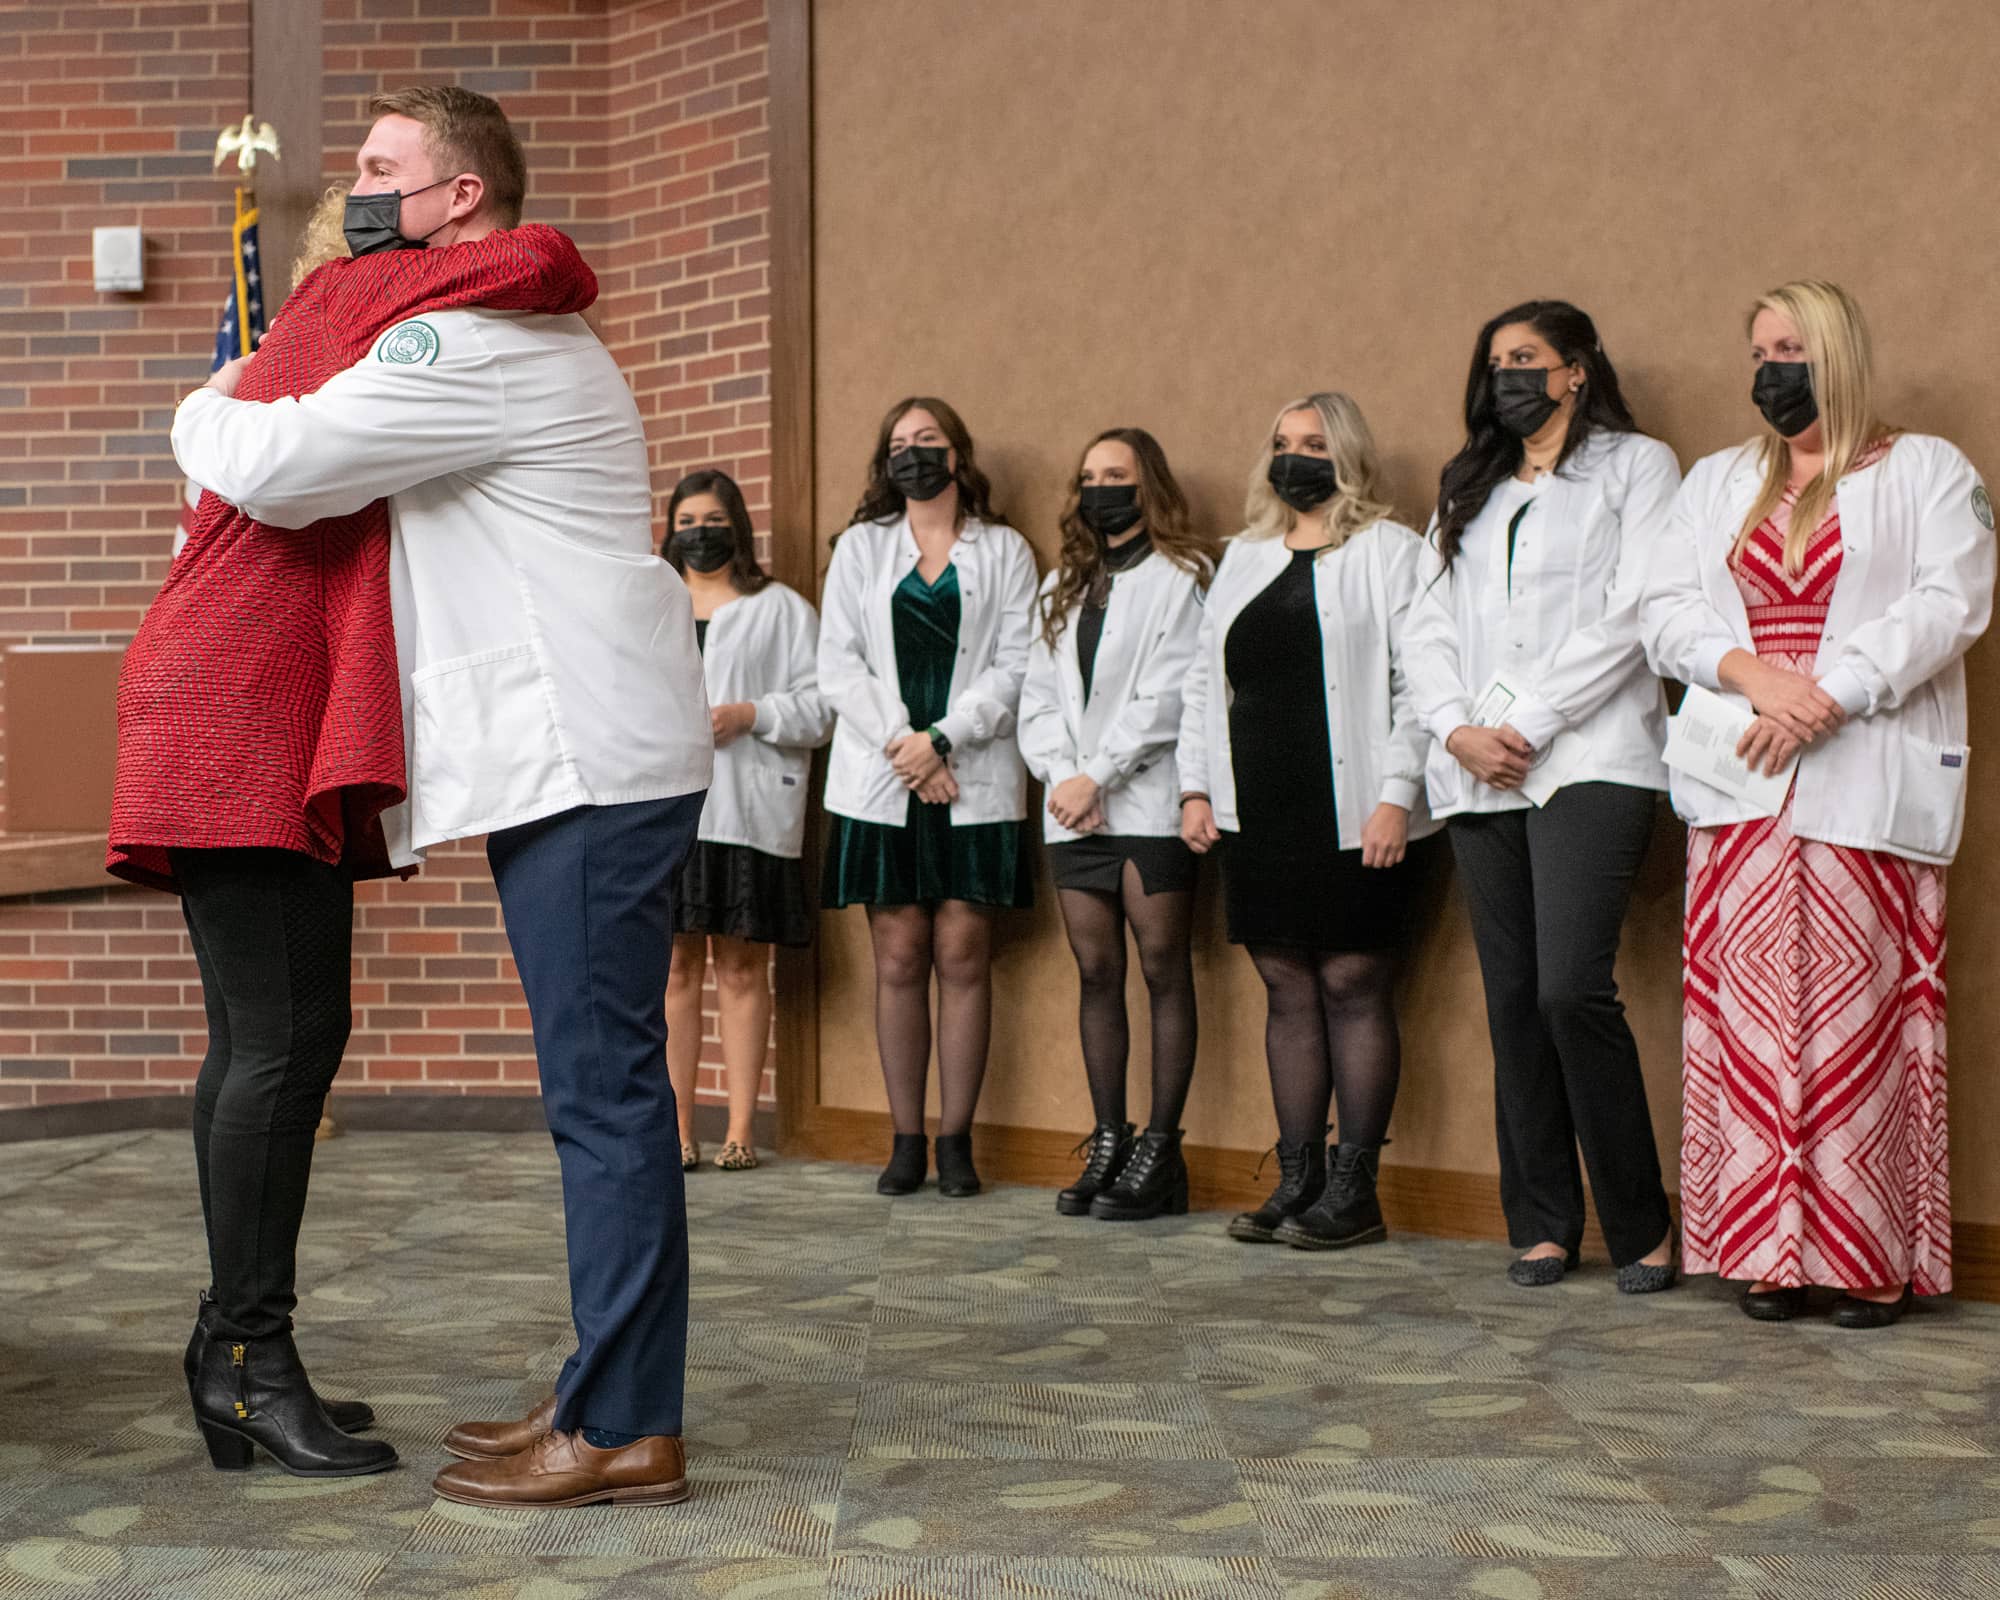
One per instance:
[(957, 1178), (1110, 1145), (1154, 1182), (1347, 1211), (349, 1416), (909, 1159), (1301, 1177), (253, 1394)]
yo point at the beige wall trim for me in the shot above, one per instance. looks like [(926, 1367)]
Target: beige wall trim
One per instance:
[(1431, 1200)]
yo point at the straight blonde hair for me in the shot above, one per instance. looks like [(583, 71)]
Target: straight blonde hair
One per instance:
[(1840, 359), (1357, 500)]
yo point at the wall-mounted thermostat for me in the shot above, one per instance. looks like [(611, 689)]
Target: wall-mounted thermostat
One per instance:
[(118, 256)]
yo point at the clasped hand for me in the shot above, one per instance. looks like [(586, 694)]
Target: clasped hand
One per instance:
[(1792, 712), (921, 769), (1497, 757), (1078, 804)]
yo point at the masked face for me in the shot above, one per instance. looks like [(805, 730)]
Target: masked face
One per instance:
[(1521, 399), (921, 471), (1108, 509), (705, 546), (374, 222), (1783, 391), (1303, 482)]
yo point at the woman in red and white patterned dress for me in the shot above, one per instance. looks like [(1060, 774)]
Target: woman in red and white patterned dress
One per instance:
[(1832, 574)]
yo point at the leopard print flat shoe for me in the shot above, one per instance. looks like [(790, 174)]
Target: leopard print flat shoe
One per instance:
[(690, 1155), (734, 1157)]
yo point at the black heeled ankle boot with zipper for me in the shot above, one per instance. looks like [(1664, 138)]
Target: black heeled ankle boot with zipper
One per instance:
[(1301, 1177), (1110, 1146), (349, 1416), (957, 1178), (1153, 1184), (253, 1394), (1347, 1211), (909, 1159)]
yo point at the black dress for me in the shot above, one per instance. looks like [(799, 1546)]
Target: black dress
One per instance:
[(1097, 860), (739, 892), (1286, 881)]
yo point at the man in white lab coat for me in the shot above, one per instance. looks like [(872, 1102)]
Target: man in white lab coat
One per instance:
[(553, 700)]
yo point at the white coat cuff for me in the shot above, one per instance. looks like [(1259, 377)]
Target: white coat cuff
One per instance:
[(765, 723), (1707, 667), (1536, 721), (955, 727), (1450, 717), (1401, 792), (1100, 771), (1847, 686)]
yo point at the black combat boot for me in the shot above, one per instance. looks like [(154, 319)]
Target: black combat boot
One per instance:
[(1154, 1182), (254, 1393), (1347, 1211), (1301, 1176), (1110, 1144)]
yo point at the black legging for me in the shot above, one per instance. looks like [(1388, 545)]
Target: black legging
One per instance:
[(1331, 1040), (1161, 925), (273, 936)]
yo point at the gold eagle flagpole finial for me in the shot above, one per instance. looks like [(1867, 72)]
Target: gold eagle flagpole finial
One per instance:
[(245, 142)]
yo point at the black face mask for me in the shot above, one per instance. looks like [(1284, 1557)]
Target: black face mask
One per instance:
[(1521, 399), (1108, 509), (921, 471), (1303, 482), (374, 222), (1783, 391), (707, 546)]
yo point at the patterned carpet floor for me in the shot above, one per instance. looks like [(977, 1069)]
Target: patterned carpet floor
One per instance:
[(924, 1397)]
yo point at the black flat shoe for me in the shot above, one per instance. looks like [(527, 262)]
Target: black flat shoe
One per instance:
[(1110, 1145), (253, 1394), (1849, 1311), (1153, 1184), (909, 1159), (1637, 1277), (957, 1177), (1301, 1178), (1774, 1305), (349, 1416), (1544, 1271)]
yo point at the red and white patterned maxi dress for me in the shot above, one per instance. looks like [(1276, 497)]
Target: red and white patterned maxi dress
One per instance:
[(1813, 1143)]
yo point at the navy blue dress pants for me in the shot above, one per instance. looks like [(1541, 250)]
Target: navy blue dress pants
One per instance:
[(588, 900)]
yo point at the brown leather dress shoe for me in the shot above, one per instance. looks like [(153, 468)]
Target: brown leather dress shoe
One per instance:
[(495, 1441), (560, 1469)]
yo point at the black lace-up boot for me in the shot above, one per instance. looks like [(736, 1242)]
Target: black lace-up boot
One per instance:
[(1301, 1177), (1110, 1143), (253, 1393), (1347, 1211), (1154, 1182)]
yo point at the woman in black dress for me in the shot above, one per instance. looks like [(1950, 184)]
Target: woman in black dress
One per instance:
[(1298, 747)]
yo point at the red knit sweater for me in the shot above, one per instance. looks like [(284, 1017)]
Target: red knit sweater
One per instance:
[(259, 703)]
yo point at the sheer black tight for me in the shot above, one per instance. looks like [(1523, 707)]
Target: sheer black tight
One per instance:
[(952, 941), (1161, 927), (1331, 1040)]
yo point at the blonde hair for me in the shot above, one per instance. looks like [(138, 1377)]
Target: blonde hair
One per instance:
[(466, 132), (1840, 359), (1357, 469), (323, 239)]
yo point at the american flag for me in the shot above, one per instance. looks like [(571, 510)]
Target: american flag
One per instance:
[(242, 327)]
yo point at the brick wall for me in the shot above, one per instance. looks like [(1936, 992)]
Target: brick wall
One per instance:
[(645, 130)]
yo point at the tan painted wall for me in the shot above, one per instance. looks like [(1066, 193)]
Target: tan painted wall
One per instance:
[(1180, 213)]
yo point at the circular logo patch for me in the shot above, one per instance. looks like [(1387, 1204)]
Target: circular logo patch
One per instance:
[(1982, 507), (409, 344)]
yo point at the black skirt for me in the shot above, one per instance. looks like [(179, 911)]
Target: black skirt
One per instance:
[(1097, 862), (741, 893)]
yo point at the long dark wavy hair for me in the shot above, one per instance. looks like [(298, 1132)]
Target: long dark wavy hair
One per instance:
[(745, 574), (1491, 454), (882, 501), (1163, 513)]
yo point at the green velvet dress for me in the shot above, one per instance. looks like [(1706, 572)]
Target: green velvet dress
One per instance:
[(927, 859)]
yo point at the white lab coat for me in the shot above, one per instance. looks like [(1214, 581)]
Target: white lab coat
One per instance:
[(857, 671), (1364, 590), (1915, 591), (763, 648), (547, 654), (1566, 627), (1123, 736)]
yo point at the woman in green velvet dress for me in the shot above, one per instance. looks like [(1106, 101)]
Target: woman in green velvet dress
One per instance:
[(922, 648)]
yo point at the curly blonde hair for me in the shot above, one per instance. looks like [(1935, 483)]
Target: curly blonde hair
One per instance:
[(323, 239)]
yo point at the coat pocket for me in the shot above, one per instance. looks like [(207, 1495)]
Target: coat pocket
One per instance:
[(1927, 802), (485, 744)]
